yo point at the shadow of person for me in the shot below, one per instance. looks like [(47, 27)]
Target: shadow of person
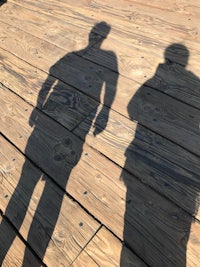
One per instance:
[(51, 147), (154, 227)]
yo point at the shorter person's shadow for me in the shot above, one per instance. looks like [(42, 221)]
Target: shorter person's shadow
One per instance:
[(148, 235), (51, 148)]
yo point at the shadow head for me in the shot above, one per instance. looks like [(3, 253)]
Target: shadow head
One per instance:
[(177, 53), (101, 28)]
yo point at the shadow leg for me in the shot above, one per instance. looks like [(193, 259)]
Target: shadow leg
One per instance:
[(17, 206), (45, 219)]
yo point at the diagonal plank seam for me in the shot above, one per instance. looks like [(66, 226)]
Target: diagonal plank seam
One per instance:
[(100, 227)]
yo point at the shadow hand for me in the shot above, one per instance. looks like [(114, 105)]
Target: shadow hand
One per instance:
[(33, 118)]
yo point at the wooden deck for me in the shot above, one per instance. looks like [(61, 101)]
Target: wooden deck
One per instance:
[(100, 133)]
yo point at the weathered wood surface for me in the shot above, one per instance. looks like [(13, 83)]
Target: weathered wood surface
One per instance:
[(142, 31), (69, 68), (157, 141), (167, 116), (163, 165), (50, 148), (129, 14), (104, 243), (14, 256), (149, 107), (46, 209), (80, 73), (132, 57), (182, 7), (84, 260), (68, 105), (65, 35), (29, 48)]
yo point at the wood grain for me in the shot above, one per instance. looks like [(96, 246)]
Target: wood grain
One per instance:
[(80, 73), (52, 149), (95, 183), (142, 29), (74, 227), (147, 17), (137, 64), (162, 164), (15, 256), (33, 50), (182, 7), (105, 250), (72, 68), (56, 31), (128, 14), (134, 61), (68, 105), (138, 172), (84, 260)]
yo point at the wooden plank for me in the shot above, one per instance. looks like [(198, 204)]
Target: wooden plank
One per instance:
[(155, 160), (161, 76), (147, 17), (157, 225), (135, 33), (121, 102), (105, 250), (68, 36), (130, 34), (56, 10), (182, 7), (140, 34), (173, 80), (29, 48), (69, 68), (64, 149), (14, 257), (130, 216), (168, 123), (49, 220), (68, 105), (168, 5), (138, 64), (135, 14), (167, 116)]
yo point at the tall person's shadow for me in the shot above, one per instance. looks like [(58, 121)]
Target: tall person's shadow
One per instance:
[(148, 157), (54, 150)]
